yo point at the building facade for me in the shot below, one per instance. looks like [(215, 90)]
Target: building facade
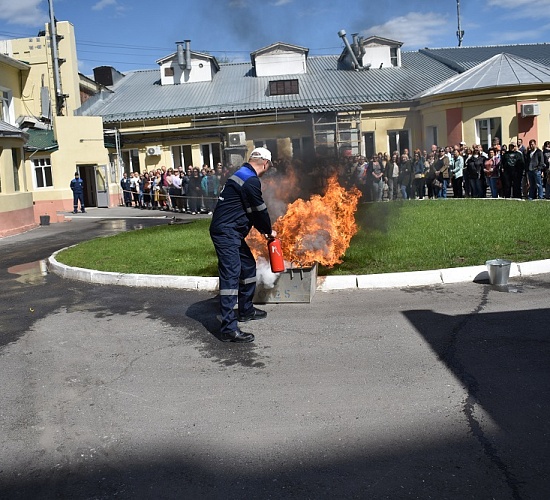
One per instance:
[(42, 140), (192, 110)]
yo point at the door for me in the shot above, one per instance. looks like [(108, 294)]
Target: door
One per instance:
[(102, 187)]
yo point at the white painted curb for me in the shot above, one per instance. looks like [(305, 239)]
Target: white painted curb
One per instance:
[(534, 267), (324, 283), (392, 280)]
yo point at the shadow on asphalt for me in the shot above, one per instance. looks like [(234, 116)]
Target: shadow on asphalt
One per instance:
[(502, 360)]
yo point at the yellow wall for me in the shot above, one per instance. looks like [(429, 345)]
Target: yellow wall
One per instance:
[(382, 121), (488, 104), (80, 140), (10, 79), (36, 51), (281, 132), (16, 207)]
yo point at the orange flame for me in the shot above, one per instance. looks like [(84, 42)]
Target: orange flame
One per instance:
[(318, 230)]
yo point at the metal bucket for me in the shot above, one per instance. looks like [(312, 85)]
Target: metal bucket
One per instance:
[(499, 271)]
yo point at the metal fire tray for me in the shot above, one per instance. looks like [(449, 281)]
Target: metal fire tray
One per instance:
[(293, 285)]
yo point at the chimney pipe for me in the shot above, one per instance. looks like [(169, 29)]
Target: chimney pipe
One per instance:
[(187, 54), (342, 35), (355, 43), (181, 55)]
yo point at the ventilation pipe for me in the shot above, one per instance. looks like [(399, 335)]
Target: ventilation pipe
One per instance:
[(181, 55), (184, 54), (342, 35), (188, 54), (355, 44)]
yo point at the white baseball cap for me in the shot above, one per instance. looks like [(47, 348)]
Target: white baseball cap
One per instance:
[(262, 153)]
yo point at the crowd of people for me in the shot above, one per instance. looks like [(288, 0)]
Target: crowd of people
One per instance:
[(195, 191), (503, 171)]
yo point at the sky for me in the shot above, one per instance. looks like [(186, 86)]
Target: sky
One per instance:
[(134, 34)]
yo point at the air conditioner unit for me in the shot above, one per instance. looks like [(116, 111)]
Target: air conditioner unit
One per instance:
[(530, 109), (154, 150), (236, 139)]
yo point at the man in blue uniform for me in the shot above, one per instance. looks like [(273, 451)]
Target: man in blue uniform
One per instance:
[(240, 206), (77, 187)]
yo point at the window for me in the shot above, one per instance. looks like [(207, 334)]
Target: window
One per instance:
[(369, 146), (270, 144), (130, 161), (15, 162), (211, 154), (283, 87), (181, 156), (42, 172), (398, 141), (302, 148), (393, 56), (169, 71), (486, 130), (431, 136), (6, 107)]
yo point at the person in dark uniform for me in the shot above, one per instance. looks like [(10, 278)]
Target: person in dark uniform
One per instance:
[(126, 186), (240, 206), (77, 187)]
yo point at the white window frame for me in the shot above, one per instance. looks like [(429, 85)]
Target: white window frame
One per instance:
[(209, 160), (8, 113), (39, 165), (132, 154), (397, 141), (485, 124)]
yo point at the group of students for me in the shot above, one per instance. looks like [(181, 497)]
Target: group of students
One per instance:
[(195, 191), (507, 171)]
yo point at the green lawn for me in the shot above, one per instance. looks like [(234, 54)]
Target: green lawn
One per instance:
[(392, 237)]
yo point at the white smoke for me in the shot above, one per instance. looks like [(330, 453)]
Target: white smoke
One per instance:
[(264, 276)]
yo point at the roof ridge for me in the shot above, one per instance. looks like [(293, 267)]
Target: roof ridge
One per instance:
[(488, 46)]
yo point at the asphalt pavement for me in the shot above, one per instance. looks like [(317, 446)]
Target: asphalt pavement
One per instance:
[(439, 391)]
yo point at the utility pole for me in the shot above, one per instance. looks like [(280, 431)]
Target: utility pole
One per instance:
[(459, 32)]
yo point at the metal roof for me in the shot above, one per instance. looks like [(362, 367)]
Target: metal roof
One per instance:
[(8, 130), (10, 61), (500, 70), (41, 140), (326, 85), (464, 58), (235, 89)]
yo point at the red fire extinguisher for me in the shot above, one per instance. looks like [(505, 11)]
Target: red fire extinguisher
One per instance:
[(275, 255)]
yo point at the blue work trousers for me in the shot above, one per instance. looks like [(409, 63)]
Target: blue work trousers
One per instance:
[(76, 198), (237, 273)]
